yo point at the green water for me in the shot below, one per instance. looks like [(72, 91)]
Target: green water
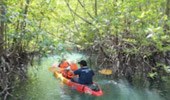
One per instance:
[(42, 85)]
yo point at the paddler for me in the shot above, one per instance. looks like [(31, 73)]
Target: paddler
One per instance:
[(85, 74), (64, 64), (70, 69)]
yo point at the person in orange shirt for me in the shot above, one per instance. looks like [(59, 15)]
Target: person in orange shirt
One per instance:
[(64, 64), (70, 69)]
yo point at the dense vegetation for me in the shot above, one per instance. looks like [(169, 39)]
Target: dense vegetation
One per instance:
[(132, 37)]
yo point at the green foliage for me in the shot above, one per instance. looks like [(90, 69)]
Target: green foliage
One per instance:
[(160, 71), (138, 24), (42, 31), (153, 75), (163, 67)]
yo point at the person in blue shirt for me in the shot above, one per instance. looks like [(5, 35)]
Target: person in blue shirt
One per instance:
[(85, 74)]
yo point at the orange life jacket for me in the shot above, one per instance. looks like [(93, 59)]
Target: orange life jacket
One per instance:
[(73, 67), (63, 66)]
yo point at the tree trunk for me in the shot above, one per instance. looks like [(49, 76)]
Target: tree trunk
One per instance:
[(21, 46), (167, 8), (25, 14), (2, 17), (167, 12)]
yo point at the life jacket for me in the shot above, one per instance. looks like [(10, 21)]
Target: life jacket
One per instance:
[(63, 66), (73, 67)]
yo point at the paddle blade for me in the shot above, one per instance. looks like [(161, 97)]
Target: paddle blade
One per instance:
[(53, 69), (106, 71)]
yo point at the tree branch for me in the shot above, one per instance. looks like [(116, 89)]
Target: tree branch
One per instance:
[(77, 14), (85, 9), (95, 7)]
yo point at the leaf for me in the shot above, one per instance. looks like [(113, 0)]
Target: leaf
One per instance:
[(152, 75)]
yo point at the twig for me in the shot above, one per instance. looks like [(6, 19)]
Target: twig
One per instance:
[(85, 9), (77, 14)]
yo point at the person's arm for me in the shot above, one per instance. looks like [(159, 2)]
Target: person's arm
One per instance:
[(68, 68), (76, 72)]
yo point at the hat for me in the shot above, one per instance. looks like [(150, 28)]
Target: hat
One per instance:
[(83, 62)]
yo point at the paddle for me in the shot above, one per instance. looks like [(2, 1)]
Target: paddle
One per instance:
[(106, 71), (55, 68)]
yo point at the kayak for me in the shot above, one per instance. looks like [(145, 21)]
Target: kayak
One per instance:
[(93, 89)]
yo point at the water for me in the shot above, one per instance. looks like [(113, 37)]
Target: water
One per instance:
[(42, 85)]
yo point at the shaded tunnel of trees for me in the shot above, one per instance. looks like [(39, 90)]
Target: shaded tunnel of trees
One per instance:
[(131, 37)]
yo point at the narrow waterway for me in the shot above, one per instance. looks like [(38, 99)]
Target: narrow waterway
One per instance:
[(42, 85)]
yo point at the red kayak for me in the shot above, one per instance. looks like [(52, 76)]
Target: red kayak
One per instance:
[(93, 89)]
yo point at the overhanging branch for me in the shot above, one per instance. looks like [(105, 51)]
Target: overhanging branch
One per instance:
[(77, 14)]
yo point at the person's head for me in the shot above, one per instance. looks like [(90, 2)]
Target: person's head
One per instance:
[(82, 63)]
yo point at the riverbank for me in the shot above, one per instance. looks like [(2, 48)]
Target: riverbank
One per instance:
[(13, 70)]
